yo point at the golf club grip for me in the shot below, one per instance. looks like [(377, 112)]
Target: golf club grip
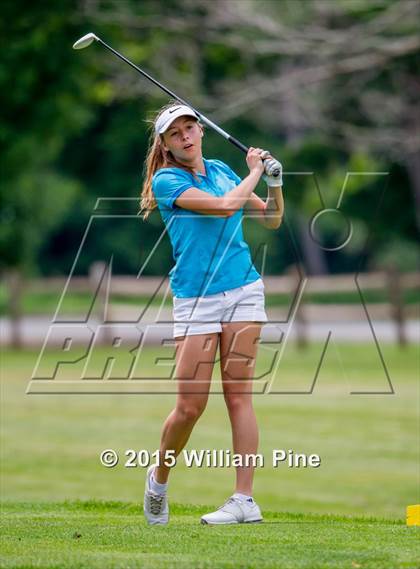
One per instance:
[(238, 144), (245, 149)]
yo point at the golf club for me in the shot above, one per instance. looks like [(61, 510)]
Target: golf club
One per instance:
[(86, 40)]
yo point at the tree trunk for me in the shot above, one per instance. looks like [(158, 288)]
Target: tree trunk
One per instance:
[(314, 256), (15, 286)]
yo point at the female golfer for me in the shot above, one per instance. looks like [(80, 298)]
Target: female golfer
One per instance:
[(218, 295)]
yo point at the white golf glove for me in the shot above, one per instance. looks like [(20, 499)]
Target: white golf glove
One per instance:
[(272, 165)]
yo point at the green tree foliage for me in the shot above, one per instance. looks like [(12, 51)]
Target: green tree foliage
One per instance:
[(43, 102), (327, 87)]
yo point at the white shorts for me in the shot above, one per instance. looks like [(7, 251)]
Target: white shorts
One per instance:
[(204, 314)]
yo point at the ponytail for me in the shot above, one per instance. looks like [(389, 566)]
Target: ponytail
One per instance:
[(157, 158)]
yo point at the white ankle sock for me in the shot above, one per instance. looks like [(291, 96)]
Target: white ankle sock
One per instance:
[(157, 487), (244, 497)]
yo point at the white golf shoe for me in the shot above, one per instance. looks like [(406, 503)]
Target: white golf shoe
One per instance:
[(234, 511), (155, 506)]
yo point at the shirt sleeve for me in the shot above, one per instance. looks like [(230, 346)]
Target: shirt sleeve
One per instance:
[(168, 186), (228, 170)]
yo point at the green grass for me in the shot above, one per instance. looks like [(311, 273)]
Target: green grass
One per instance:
[(79, 303), (114, 534), (50, 447)]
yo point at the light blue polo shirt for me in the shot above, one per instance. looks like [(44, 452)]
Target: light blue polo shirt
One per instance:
[(210, 253)]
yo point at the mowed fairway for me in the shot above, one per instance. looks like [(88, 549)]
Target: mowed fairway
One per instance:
[(113, 534), (61, 508)]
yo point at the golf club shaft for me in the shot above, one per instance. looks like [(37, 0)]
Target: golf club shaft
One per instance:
[(203, 118)]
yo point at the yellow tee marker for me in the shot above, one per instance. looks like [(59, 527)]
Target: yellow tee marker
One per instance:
[(413, 515)]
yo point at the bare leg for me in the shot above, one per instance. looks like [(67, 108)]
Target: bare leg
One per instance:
[(195, 357), (238, 349)]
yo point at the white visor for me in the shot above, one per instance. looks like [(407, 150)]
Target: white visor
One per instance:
[(167, 117)]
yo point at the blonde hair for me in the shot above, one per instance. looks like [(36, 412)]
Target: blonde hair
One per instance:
[(157, 158)]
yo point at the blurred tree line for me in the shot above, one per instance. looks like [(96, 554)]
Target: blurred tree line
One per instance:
[(328, 87)]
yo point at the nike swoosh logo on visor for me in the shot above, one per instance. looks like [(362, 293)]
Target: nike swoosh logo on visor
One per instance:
[(173, 110)]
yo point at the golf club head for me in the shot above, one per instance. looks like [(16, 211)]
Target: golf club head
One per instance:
[(85, 41)]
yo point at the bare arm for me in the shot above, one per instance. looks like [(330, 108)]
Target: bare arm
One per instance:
[(224, 206), (270, 212)]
